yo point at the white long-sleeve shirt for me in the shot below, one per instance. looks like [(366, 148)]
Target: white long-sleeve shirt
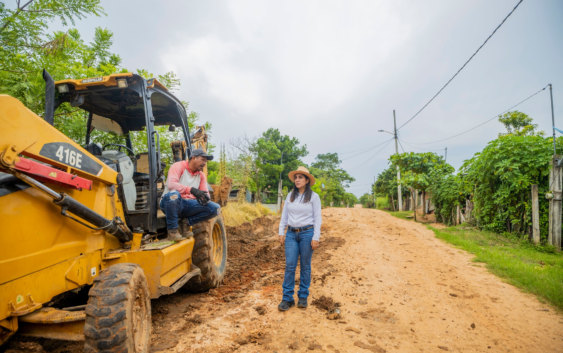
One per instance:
[(299, 214)]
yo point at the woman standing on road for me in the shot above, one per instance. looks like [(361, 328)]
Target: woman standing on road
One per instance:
[(302, 216)]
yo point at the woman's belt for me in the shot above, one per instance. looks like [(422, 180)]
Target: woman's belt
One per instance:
[(299, 229)]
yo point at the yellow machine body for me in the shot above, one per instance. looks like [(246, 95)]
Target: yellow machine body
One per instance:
[(44, 254)]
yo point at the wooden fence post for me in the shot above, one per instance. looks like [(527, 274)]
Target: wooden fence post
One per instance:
[(554, 236), (415, 203), (535, 215), (469, 210)]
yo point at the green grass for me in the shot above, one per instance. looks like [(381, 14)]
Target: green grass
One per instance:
[(537, 270), (402, 214)]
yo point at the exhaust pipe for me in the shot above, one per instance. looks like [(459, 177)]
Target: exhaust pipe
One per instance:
[(115, 227), (49, 97)]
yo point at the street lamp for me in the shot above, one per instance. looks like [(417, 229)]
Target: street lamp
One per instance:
[(400, 196)]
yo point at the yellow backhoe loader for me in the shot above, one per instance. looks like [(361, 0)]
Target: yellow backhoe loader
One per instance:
[(83, 248)]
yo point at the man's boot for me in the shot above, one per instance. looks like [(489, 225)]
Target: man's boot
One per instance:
[(174, 235), (185, 229)]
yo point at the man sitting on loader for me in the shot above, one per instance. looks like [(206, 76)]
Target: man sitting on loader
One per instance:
[(186, 196)]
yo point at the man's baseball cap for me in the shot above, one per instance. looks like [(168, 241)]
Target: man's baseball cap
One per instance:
[(198, 152)]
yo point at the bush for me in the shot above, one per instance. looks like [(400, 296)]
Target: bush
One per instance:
[(381, 203), (501, 176)]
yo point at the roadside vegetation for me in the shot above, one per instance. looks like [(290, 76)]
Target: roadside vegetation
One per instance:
[(381, 203), (409, 215)]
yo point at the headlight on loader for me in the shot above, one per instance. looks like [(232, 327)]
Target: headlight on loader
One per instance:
[(122, 83), (63, 88)]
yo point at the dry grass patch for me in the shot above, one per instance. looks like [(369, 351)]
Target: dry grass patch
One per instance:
[(237, 213)]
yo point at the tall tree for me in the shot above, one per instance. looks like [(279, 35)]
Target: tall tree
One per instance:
[(26, 49), (328, 161), (386, 185), (415, 169), (269, 149), (519, 124), (331, 179)]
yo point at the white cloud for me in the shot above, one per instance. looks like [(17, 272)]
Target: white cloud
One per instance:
[(208, 62), (322, 51)]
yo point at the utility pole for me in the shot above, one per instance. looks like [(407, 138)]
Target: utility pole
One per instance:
[(400, 198), (446, 157), (280, 193), (372, 189), (555, 182), (552, 119)]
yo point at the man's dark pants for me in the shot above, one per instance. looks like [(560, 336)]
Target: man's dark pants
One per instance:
[(175, 207)]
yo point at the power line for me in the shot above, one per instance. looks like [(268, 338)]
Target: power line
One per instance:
[(423, 149), (365, 151), (353, 186), (483, 123), (375, 154), (366, 148), (400, 144), (458, 71)]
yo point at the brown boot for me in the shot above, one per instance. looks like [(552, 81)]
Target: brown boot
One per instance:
[(174, 235), (185, 229)]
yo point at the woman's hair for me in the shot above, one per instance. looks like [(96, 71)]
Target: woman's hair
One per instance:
[(306, 195)]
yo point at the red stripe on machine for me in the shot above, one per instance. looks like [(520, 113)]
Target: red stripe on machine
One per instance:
[(52, 175)]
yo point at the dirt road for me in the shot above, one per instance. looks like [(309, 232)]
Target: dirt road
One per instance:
[(400, 290)]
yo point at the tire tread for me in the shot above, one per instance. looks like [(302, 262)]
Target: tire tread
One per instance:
[(202, 256), (105, 328)]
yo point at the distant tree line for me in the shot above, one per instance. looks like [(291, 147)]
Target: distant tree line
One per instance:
[(492, 188), (258, 164)]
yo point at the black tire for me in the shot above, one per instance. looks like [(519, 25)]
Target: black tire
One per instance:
[(209, 254), (118, 314)]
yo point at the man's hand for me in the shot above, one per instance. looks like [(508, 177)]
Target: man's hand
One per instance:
[(314, 244), (200, 196), (282, 239)]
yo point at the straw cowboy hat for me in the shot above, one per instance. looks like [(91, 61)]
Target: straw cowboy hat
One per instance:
[(304, 171)]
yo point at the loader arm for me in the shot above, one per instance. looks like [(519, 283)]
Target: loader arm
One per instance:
[(24, 133)]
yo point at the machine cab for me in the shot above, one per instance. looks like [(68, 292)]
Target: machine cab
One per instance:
[(129, 114)]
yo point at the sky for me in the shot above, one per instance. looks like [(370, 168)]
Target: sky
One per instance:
[(331, 73)]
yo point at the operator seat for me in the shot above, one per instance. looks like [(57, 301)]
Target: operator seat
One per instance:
[(127, 169), (96, 150)]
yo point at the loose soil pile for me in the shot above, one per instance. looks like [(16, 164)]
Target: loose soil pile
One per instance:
[(325, 303), (253, 253)]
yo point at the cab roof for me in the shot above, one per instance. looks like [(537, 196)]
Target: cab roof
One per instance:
[(124, 103)]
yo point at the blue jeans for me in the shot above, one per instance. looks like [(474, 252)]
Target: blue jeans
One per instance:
[(297, 245), (175, 207)]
